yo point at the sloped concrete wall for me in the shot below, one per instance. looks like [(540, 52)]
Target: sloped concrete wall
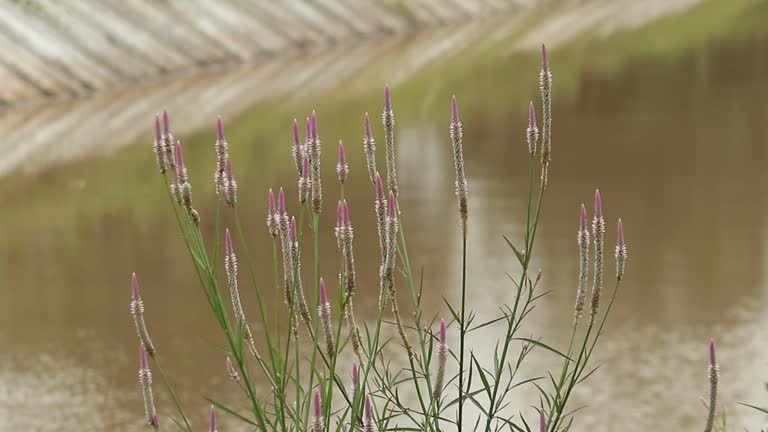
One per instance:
[(54, 49)]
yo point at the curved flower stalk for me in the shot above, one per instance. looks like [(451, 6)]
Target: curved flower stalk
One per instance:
[(391, 229), (298, 289), (545, 86), (598, 233), (145, 381), (388, 120), (230, 266), (458, 158), (583, 242), (137, 310), (442, 358), (346, 235), (369, 148), (714, 377), (324, 312), (182, 189)]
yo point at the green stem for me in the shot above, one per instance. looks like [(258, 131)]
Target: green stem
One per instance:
[(463, 331)]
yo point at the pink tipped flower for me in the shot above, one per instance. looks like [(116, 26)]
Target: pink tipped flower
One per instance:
[(345, 214), (387, 99), (542, 421), (342, 167), (318, 404), (368, 410), (212, 422), (392, 206), (598, 205), (583, 219), (230, 250), (313, 126), (323, 292), (367, 127), (166, 123), (179, 159), (712, 359), (232, 371), (219, 129), (143, 361), (442, 332), (296, 138), (379, 188), (155, 422), (135, 295), (281, 202), (454, 110), (308, 129), (355, 375), (293, 236), (544, 59), (158, 132), (531, 115), (272, 209)]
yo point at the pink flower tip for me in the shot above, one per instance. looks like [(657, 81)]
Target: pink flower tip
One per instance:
[(296, 139), (345, 213), (143, 361), (323, 292), (712, 358), (583, 218), (179, 157), (293, 231), (212, 420), (531, 116), (342, 153), (620, 234), (542, 421), (367, 127), (281, 201), (318, 404), (166, 123), (355, 375), (454, 110), (387, 99), (313, 125), (228, 247), (271, 199), (308, 128), (228, 169), (442, 332), (379, 187), (392, 206), (598, 205), (158, 132), (155, 421), (544, 59), (135, 287), (219, 129), (368, 409)]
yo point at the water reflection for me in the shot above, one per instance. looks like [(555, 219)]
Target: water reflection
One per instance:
[(674, 143)]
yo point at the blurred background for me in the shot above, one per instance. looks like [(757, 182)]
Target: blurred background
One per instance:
[(661, 104)]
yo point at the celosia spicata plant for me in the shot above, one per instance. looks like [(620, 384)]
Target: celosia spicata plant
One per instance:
[(306, 336)]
